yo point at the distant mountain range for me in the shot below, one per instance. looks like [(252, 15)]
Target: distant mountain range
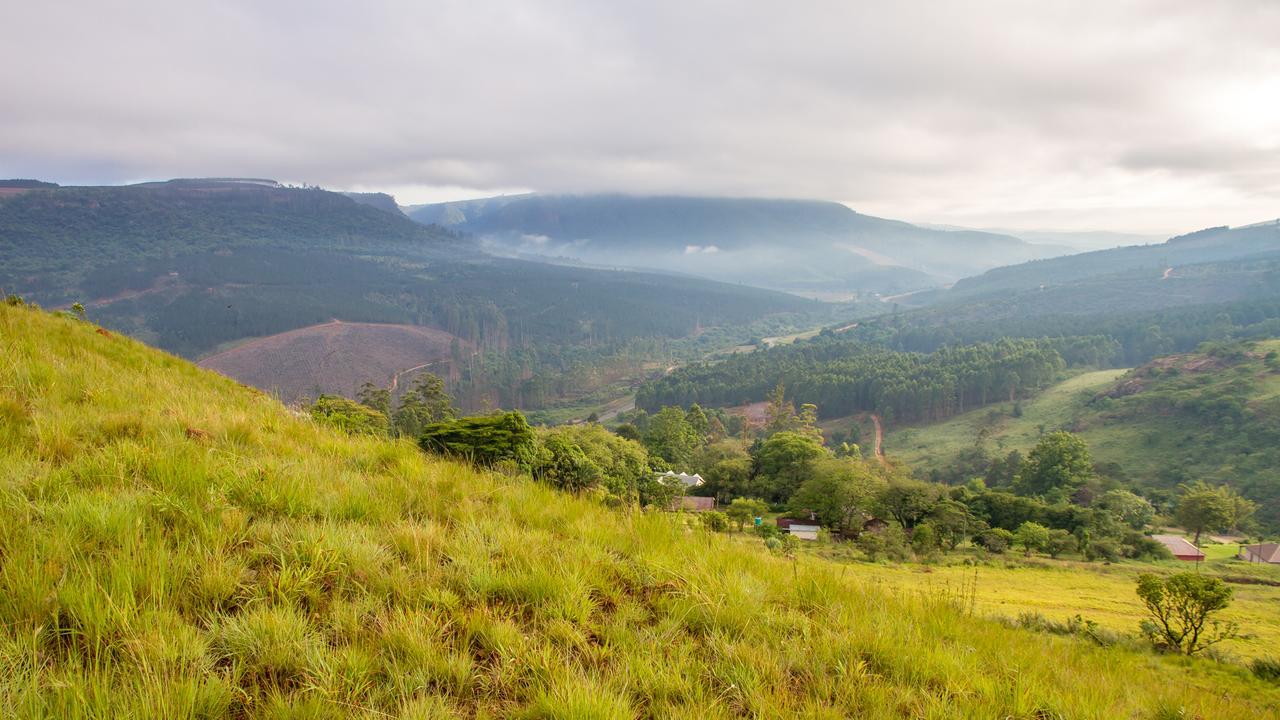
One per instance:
[(795, 245)]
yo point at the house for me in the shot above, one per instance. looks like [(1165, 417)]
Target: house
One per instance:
[(1180, 547), (803, 532), (693, 503), (1260, 553), (688, 480), (874, 524)]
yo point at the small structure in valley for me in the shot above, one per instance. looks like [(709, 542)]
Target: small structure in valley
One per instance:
[(1260, 553), (803, 532), (689, 480), (1180, 547), (694, 503)]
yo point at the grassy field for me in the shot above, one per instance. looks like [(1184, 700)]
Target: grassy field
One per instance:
[(1051, 409), (174, 545)]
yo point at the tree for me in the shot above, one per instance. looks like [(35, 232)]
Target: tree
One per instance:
[(1059, 462), (484, 440), (924, 539), (1032, 537), (744, 510), (660, 491), (1203, 507), (779, 413), (784, 462), (378, 398), (622, 464), (698, 422), (348, 416), (425, 402), (1179, 609), (563, 465), (996, 540), (1126, 507), (839, 493), (1061, 541), (952, 522), (670, 436), (908, 501)]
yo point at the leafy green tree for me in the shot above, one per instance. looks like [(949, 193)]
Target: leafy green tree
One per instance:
[(660, 492), (1033, 537), (484, 440), (670, 437), (784, 462), (996, 540), (623, 464), (378, 398), (840, 493), (348, 416), (908, 501), (744, 510), (563, 465), (425, 402), (1060, 462), (1126, 507), (1202, 507), (1060, 541), (924, 539), (1181, 609), (953, 522), (779, 412), (698, 422)]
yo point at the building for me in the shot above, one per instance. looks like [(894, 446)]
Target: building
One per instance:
[(1180, 547), (693, 503), (803, 532), (1260, 553), (688, 480)]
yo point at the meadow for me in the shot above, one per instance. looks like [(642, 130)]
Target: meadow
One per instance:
[(173, 544)]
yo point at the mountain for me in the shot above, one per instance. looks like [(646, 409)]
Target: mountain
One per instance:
[(382, 201), (194, 266), (1212, 245), (177, 545), (1208, 415), (800, 245)]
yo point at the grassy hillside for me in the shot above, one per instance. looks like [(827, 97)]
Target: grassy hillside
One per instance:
[(175, 545), (1209, 415)]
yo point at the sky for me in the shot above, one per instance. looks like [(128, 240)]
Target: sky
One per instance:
[(1133, 116)]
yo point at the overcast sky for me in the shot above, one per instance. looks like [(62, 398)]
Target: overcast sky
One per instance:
[(1134, 116)]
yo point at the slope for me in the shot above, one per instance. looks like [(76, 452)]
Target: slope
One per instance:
[(1212, 415), (190, 266), (174, 545), (790, 244)]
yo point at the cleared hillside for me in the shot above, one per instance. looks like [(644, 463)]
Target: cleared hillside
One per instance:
[(174, 545), (335, 358)]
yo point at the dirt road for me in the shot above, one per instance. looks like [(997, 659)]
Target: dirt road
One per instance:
[(879, 446)]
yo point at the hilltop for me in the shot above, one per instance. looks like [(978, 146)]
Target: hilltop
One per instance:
[(788, 244), (177, 545)]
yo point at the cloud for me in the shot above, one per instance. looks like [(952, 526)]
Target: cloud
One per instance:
[(1139, 114), (701, 249)]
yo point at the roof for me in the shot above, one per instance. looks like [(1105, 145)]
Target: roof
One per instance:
[(689, 480), (1262, 552), (697, 503), (1178, 545)]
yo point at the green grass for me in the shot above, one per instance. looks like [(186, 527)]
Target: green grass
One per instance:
[(920, 446), (174, 545)]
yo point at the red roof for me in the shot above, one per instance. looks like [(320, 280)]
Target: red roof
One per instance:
[(1179, 546)]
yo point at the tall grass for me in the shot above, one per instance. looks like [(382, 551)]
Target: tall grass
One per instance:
[(174, 545)]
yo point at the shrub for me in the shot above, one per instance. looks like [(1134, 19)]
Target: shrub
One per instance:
[(1061, 541), (889, 543), (1103, 549), (349, 416), (996, 540), (715, 521), (1266, 669), (1032, 537), (924, 539), (484, 440)]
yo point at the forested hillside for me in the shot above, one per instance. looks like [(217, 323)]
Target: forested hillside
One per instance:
[(842, 376), (192, 266), (175, 545), (1212, 415)]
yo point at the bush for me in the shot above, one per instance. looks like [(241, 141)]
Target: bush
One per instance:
[(349, 416), (1266, 669), (924, 539), (1103, 549), (1061, 541), (484, 440), (715, 521), (996, 540), (889, 543), (1032, 537)]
